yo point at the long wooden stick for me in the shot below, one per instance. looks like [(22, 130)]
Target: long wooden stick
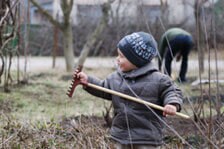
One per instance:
[(133, 99)]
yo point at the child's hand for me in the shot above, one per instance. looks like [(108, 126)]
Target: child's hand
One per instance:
[(81, 76), (169, 110)]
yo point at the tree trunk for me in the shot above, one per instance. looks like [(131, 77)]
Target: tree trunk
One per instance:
[(95, 35), (68, 48), (199, 36), (55, 46), (86, 50), (65, 27)]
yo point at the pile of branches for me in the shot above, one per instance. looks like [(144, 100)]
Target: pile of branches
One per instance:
[(74, 132), (88, 132)]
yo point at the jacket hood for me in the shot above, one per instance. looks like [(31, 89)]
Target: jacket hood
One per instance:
[(150, 67)]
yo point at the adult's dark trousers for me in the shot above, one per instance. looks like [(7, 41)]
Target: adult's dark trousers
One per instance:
[(168, 63), (179, 45)]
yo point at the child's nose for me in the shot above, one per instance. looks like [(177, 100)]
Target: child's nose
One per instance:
[(117, 58)]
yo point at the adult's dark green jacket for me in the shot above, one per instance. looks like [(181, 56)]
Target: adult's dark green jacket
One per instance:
[(135, 123), (168, 36)]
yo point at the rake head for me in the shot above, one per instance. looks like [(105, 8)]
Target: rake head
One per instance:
[(74, 83)]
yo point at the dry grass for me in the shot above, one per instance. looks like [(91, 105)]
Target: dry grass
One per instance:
[(40, 115)]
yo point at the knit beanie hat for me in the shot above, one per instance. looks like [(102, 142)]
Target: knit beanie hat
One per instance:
[(139, 48)]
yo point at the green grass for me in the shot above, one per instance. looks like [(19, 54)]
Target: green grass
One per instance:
[(44, 97)]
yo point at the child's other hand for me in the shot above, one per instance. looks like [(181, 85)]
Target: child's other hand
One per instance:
[(81, 76), (169, 110)]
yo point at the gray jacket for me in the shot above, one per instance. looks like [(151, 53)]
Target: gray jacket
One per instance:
[(133, 122)]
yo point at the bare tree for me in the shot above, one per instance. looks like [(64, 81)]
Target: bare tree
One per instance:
[(92, 39), (65, 27), (8, 39), (197, 11)]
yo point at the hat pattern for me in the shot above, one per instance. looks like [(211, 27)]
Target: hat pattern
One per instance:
[(140, 47)]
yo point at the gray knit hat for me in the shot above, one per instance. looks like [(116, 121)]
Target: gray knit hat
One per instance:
[(139, 48)]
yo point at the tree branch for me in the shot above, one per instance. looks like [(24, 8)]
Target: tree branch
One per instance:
[(5, 15), (66, 6), (46, 14)]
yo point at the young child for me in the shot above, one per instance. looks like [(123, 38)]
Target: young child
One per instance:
[(136, 125)]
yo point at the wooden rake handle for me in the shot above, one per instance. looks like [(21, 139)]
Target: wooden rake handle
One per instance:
[(133, 99)]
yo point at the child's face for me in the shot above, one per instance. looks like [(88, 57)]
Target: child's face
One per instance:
[(124, 64)]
